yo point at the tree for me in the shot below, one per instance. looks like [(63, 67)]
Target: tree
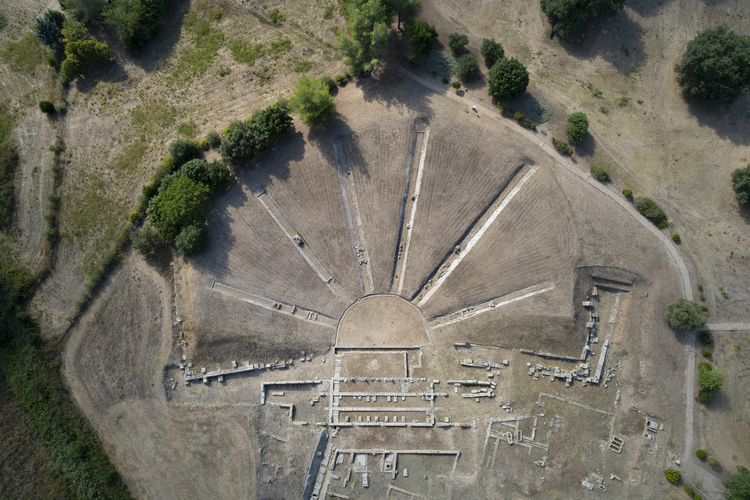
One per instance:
[(708, 379), (313, 102), (74, 31), (183, 203), (81, 55), (85, 9), (193, 239), (145, 240), (213, 175), (508, 78), (134, 21), (368, 39), (48, 28), (404, 9), (577, 127), (716, 65), (46, 107), (468, 66), (213, 139), (420, 37), (738, 486), (673, 476), (567, 16), (270, 123), (741, 184), (183, 150), (685, 315), (653, 212), (491, 51), (457, 41), (238, 145)]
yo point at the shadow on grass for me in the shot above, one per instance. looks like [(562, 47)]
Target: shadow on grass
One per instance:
[(730, 121)]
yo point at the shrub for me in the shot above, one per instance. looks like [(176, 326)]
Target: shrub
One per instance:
[(61, 109), (456, 85), (716, 65), (213, 175), (46, 107), (302, 66), (627, 192), (213, 139), (420, 37), (81, 56), (706, 338), (700, 454), (508, 79), (676, 238), (577, 127), (708, 379), (491, 51), (714, 463), (672, 475), (134, 21), (328, 81), (134, 216), (739, 484), (145, 240), (182, 150), (697, 497), (313, 102), (340, 79), (653, 212), (704, 308), (689, 490), (600, 173), (568, 16), (561, 146), (684, 314), (48, 28), (276, 17), (741, 184), (328, 12), (446, 79), (524, 120), (182, 203), (468, 67), (457, 41), (53, 63), (192, 240), (203, 144)]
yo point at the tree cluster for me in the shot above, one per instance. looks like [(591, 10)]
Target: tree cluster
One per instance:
[(716, 65), (420, 37), (738, 486), (313, 101), (568, 16), (247, 138), (134, 21), (684, 314)]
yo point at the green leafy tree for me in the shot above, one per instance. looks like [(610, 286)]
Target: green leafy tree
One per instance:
[(508, 79), (270, 123), (183, 150), (238, 145), (716, 65), (404, 9), (684, 314), (467, 68), (74, 31), (577, 127), (568, 16), (313, 102), (708, 379), (46, 107), (145, 240), (653, 212), (368, 38), (81, 56), (491, 51), (738, 486), (213, 175), (420, 37), (741, 184), (183, 202), (192, 240), (134, 21), (457, 41), (48, 28)]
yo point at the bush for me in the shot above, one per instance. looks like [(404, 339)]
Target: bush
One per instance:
[(456, 85), (697, 497), (508, 79), (134, 217), (672, 475), (328, 81), (420, 37), (145, 240), (182, 150), (213, 175), (446, 79), (48, 28), (689, 490), (714, 463), (708, 379), (561, 146), (683, 314), (203, 144), (46, 107), (468, 67), (600, 173), (53, 63), (81, 56), (182, 203), (457, 41), (716, 65), (244, 139), (313, 102), (627, 192), (340, 79), (706, 338), (524, 120), (276, 17), (739, 484), (653, 212), (213, 139), (700, 454), (491, 51), (741, 184), (676, 238), (568, 16), (577, 127), (134, 21), (192, 240)]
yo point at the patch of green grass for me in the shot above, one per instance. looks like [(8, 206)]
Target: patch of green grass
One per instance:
[(128, 160), (623, 102), (302, 66), (595, 92), (152, 116), (603, 110), (25, 54), (246, 52), (188, 129), (193, 62), (4, 21), (279, 47)]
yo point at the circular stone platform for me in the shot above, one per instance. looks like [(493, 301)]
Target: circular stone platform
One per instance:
[(382, 321)]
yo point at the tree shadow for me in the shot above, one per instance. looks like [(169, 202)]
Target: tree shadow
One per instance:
[(392, 89), (730, 121), (648, 8), (113, 72), (617, 40)]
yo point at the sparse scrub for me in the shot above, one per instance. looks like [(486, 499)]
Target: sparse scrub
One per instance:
[(328, 12), (524, 120), (23, 55), (603, 110), (623, 102), (653, 212), (302, 66), (246, 52), (276, 17), (707, 353), (188, 129)]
